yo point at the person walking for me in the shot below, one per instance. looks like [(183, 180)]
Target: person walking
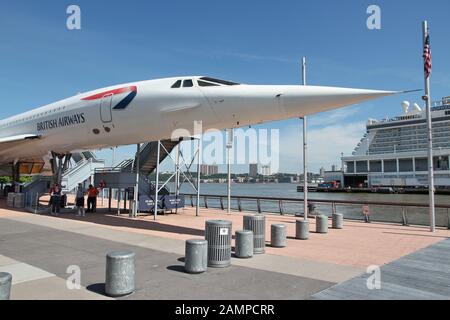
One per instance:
[(55, 199), (79, 201), (92, 198)]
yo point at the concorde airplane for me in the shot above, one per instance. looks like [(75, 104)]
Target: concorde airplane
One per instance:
[(151, 110)]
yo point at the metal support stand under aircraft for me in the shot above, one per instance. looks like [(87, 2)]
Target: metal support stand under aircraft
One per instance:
[(136, 165), (59, 163), (15, 174), (181, 176)]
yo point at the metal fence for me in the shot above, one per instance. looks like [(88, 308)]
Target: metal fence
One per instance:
[(390, 212)]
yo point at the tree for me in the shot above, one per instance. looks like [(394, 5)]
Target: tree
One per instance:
[(25, 179), (4, 180)]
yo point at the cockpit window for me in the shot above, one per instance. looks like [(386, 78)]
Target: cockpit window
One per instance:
[(206, 84), (218, 81), (188, 83), (177, 84), (203, 82)]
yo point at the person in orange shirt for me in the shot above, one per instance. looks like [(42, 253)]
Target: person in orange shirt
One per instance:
[(92, 199)]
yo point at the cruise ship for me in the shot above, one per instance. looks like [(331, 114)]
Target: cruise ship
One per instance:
[(393, 152)]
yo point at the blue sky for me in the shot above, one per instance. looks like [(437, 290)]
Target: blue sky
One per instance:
[(257, 42)]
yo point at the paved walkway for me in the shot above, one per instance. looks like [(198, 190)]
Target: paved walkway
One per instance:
[(359, 245), (32, 283), (159, 275), (47, 245), (424, 274)]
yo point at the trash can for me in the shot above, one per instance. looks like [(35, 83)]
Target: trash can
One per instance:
[(257, 224), (120, 273), (19, 200), (10, 200), (218, 234)]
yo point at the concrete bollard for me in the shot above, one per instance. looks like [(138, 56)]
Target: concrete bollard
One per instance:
[(278, 235), (244, 244), (321, 224), (338, 221), (5, 285), (120, 273), (302, 230), (196, 256)]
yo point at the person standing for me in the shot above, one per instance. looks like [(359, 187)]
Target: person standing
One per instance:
[(92, 198), (55, 198), (79, 201)]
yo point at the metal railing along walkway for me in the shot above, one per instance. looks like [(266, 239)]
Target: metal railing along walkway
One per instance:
[(378, 211)]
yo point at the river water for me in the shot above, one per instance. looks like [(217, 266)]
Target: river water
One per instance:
[(414, 215)]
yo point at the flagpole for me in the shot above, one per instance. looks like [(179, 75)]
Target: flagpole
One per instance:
[(427, 99)]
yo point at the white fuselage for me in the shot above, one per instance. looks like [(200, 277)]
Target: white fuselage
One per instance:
[(152, 110)]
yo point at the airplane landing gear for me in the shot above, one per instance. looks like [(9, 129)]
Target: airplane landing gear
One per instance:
[(59, 163), (15, 175)]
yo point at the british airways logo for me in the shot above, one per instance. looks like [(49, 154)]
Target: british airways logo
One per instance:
[(65, 121), (130, 92)]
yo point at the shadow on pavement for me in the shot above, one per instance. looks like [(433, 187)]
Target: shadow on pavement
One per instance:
[(117, 221), (98, 288), (176, 268)]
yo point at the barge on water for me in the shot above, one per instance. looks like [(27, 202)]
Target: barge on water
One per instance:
[(382, 190)]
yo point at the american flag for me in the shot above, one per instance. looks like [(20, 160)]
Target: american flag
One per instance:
[(427, 55)]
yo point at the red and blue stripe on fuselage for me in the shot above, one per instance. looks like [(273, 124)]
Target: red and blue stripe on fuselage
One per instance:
[(132, 92)]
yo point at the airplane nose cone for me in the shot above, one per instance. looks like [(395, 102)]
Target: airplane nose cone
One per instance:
[(303, 100)]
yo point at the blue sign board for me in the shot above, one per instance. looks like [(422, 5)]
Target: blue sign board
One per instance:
[(173, 202), (167, 202)]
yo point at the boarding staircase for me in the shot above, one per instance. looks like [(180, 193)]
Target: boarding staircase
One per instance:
[(81, 172), (82, 169), (123, 175), (149, 156)]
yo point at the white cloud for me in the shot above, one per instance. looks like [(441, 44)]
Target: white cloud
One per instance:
[(333, 117), (325, 146)]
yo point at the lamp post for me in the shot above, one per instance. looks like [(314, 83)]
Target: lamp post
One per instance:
[(229, 147), (305, 149)]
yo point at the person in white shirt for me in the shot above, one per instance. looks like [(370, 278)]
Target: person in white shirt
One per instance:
[(79, 201)]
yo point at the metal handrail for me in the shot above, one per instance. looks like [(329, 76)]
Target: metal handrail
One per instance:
[(78, 166), (350, 202), (113, 170), (123, 163), (405, 221)]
